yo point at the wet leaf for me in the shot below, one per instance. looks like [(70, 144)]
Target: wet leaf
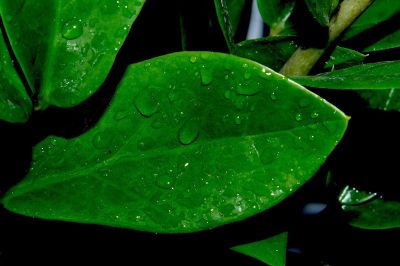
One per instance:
[(390, 41), (67, 48), (367, 210), (272, 52), (271, 251), (343, 57), (15, 104), (190, 141), (322, 10), (276, 14), (382, 75)]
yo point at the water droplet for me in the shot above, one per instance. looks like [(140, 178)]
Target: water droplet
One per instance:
[(311, 137), (238, 120), (227, 94), (299, 117), (193, 59), (249, 90), (72, 29), (314, 115), (146, 103), (189, 132), (273, 96), (206, 76)]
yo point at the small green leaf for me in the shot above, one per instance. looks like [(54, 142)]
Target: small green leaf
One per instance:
[(369, 211), (275, 14), (343, 57), (382, 75), (272, 52), (188, 143), (229, 13), (378, 12), (322, 10), (271, 251), (15, 104), (390, 41), (67, 48), (386, 100)]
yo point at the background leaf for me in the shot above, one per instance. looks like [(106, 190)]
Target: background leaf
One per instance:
[(382, 75), (369, 211), (190, 141), (271, 251), (67, 48), (272, 52), (378, 12), (15, 104), (322, 10), (343, 57), (275, 14), (388, 42)]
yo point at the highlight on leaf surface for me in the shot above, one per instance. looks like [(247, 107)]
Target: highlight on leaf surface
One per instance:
[(190, 141)]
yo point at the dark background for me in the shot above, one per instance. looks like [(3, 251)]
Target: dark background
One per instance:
[(364, 158)]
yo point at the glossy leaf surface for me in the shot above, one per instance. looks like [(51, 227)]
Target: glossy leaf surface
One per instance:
[(343, 57), (271, 251), (382, 75), (272, 52), (390, 41), (376, 13), (275, 14), (66, 48), (15, 104), (369, 211), (322, 10), (190, 141)]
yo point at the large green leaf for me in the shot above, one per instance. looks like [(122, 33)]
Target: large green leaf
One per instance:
[(369, 211), (343, 57), (67, 47), (388, 42), (190, 141), (229, 13), (15, 104), (382, 75), (322, 10), (275, 14), (272, 52), (379, 11), (271, 251)]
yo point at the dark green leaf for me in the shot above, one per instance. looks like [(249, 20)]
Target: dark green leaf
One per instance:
[(272, 52), (322, 10), (15, 104), (388, 42), (343, 57), (229, 13), (387, 100), (275, 14), (66, 48), (369, 211), (271, 251), (379, 11), (190, 141), (382, 75)]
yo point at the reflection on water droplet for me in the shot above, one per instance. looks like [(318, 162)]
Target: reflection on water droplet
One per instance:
[(193, 59), (146, 103), (299, 117), (189, 132), (249, 90), (206, 76), (273, 96), (72, 29), (314, 115), (238, 120)]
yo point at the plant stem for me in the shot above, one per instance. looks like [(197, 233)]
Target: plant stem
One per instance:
[(303, 60)]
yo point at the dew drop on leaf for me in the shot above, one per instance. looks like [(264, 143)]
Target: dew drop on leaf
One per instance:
[(206, 77), (146, 103), (238, 120), (299, 117), (314, 115), (165, 181), (273, 96), (72, 29), (189, 132), (245, 89), (193, 59)]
